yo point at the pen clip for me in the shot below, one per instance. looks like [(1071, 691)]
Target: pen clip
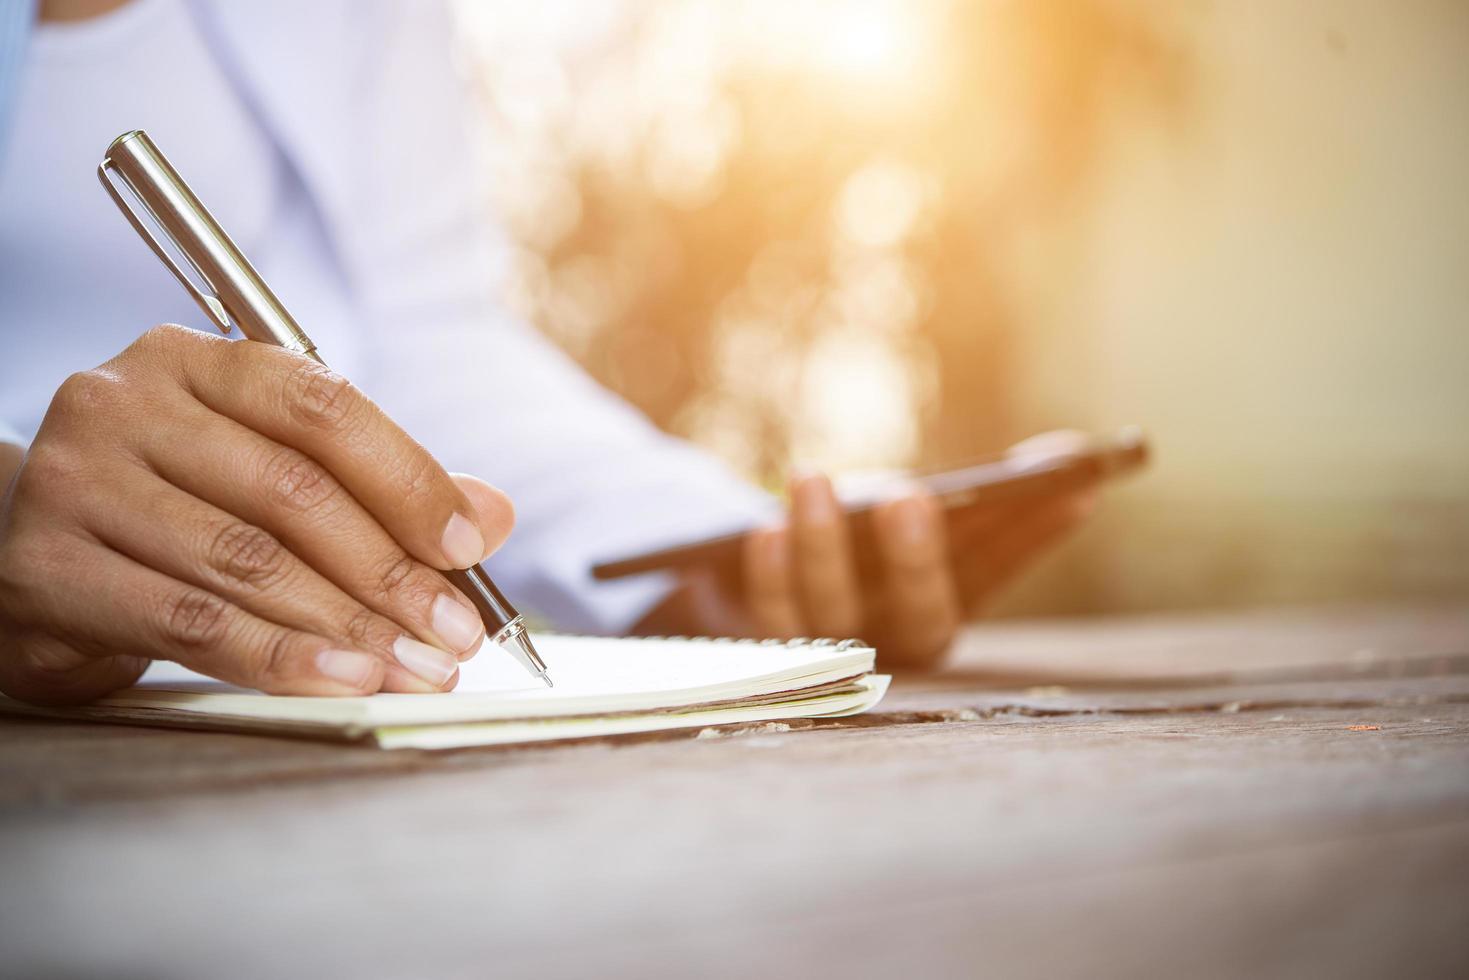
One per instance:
[(207, 298)]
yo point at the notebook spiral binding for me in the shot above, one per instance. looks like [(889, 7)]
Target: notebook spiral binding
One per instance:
[(796, 641)]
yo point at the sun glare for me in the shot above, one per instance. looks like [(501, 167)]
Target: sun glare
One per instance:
[(856, 404), (870, 40), (816, 340)]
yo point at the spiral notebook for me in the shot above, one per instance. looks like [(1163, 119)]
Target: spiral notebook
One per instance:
[(603, 687)]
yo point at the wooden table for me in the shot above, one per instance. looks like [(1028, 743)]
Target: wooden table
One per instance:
[(1277, 793)]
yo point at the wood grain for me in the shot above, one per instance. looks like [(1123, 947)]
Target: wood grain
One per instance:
[(1263, 800)]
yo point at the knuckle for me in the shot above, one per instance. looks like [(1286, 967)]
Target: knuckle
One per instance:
[(421, 479), (402, 582), (278, 657), (364, 629), (87, 393), (195, 619), (394, 574), (246, 555), (298, 482), (167, 345), (164, 336), (321, 398), (46, 471)]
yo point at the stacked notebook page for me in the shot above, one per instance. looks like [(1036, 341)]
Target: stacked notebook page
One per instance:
[(603, 687)]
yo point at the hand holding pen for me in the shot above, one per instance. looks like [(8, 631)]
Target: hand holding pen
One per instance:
[(242, 510)]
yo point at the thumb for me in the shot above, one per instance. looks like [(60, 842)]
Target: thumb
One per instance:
[(495, 514)]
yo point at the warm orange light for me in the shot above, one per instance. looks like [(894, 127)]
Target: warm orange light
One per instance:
[(873, 40)]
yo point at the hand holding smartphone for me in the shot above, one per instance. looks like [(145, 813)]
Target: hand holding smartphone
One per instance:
[(958, 490)]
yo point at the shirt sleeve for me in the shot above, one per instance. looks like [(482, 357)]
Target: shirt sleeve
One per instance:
[(401, 195), (590, 478)]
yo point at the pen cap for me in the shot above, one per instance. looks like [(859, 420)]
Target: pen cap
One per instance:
[(232, 292)]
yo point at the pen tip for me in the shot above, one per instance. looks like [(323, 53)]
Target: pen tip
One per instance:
[(518, 645)]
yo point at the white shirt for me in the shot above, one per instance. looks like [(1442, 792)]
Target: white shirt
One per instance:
[(331, 141)]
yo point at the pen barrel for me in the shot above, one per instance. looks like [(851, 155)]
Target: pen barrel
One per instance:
[(239, 289), (488, 600)]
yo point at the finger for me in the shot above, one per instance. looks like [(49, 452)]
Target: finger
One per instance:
[(285, 493), (821, 558), (166, 529), (969, 523), (974, 526), (130, 610), (769, 591), (983, 569), (921, 609), (489, 502), (43, 670), (302, 404), (701, 603)]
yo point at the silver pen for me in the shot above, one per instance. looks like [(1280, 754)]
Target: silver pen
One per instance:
[(232, 294)]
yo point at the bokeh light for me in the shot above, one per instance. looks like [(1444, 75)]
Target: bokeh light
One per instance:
[(861, 234)]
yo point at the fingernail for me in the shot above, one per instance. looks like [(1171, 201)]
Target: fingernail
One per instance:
[(346, 666), (429, 663), (463, 545), (458, 626), (813, 500), (915, 526)]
